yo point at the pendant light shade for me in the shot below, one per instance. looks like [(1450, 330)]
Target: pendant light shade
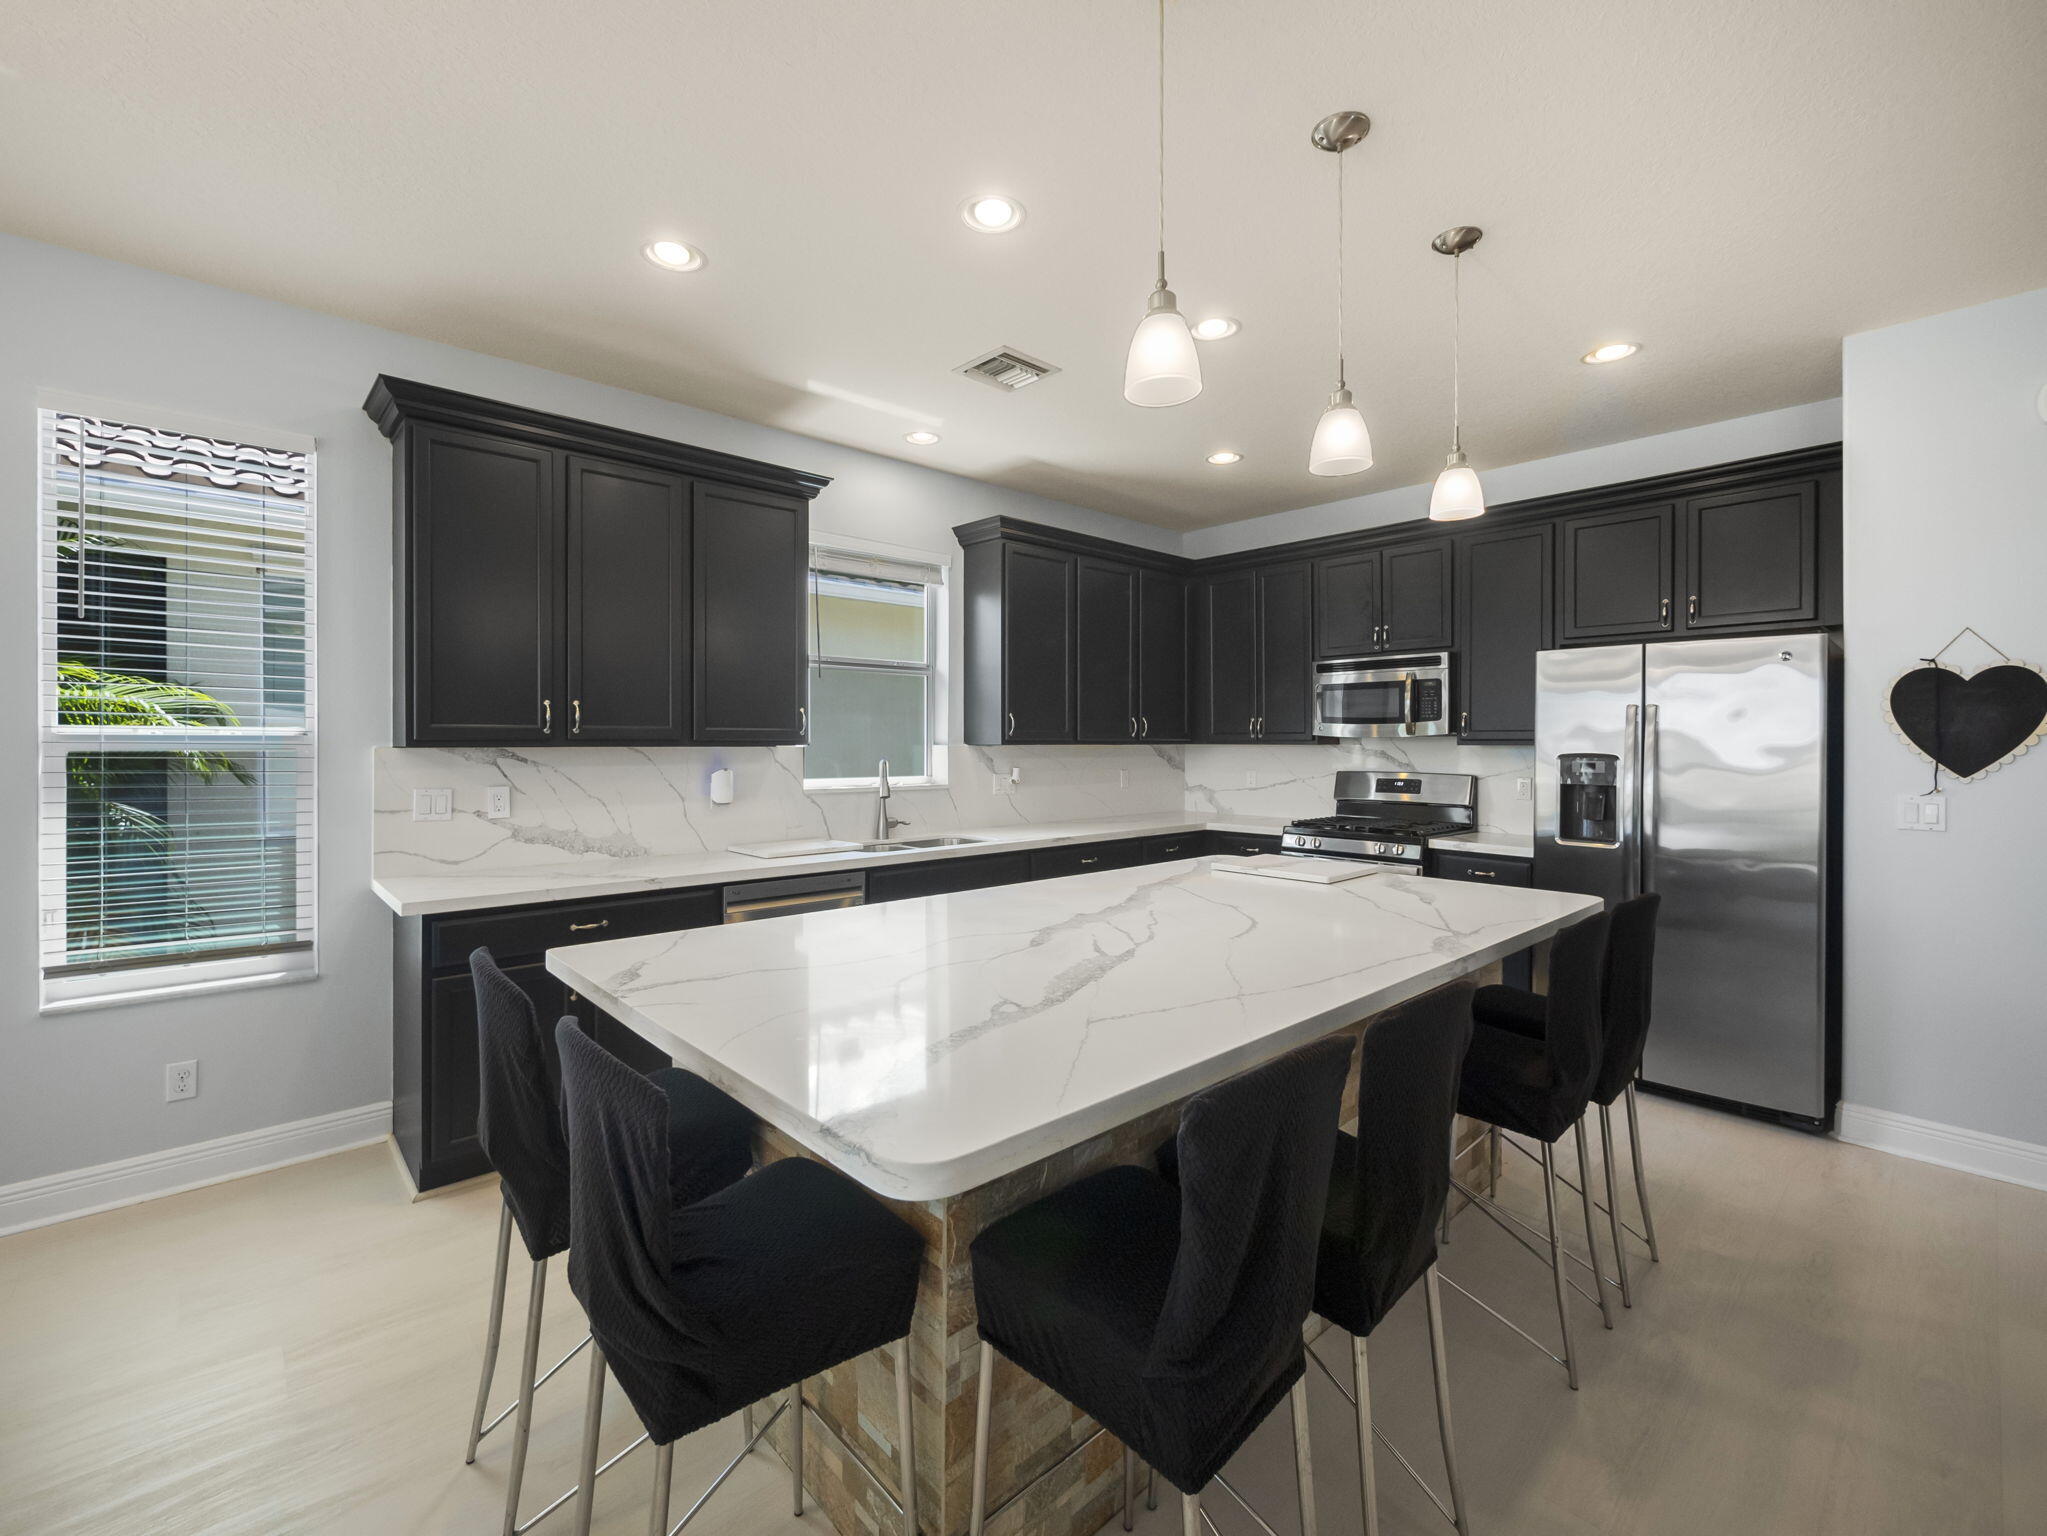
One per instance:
[(1163, 368), (1457, 494), (1343, 444)]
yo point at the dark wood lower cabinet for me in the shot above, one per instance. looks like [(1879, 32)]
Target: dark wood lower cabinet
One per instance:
[(1517, 970), (944, 877), (1086, 858), (1241, 844)]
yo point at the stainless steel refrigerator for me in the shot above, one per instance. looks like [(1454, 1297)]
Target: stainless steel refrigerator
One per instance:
[(1707, 770)]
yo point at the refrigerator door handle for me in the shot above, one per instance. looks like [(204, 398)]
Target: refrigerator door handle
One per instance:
[(1652, 765), (1631, 796)]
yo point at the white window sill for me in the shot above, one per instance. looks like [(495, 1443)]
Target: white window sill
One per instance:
[(178, 990), (868, 786)]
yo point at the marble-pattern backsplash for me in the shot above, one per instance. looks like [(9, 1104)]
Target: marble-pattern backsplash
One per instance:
[(1300, 780), (572, 804)]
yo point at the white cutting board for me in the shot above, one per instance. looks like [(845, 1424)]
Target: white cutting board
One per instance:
[(794, 848), (1283, 866)]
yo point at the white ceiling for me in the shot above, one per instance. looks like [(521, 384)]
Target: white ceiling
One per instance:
[(1734, 185)]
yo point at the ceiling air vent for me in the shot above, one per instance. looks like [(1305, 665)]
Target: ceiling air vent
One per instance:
[(1005, 369)]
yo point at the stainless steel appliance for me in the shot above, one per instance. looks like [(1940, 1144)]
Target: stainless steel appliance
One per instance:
[(1384, 696), (1707, 770), (799, 893), (1387, 816)]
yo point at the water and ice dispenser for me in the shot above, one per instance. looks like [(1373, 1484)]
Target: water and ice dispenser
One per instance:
[(1588, 799)]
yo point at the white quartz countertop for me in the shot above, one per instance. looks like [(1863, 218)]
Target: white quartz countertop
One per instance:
[(421, 895), (927, 1046), (1499, 845)]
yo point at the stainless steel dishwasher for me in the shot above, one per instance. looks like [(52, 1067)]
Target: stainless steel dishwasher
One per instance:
[(799, 893)]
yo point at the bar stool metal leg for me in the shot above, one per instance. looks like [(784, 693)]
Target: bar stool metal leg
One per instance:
[(1613, 1204), (493, 1331), (1129, 1489), (906, 1439), (1493, 1162), (593, 1417), (1641, 1178), (1190, 1514), (1304, 1465), (1151, 1487), (529, 1362), (1432, 1294), (1556, 1261), (664, 1478), (984, 1402), (1368, 1472), (746, 1429), (796, 1446), (1591, 1239)]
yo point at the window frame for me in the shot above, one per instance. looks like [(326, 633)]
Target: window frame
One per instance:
[(934, 667), (140, 981)]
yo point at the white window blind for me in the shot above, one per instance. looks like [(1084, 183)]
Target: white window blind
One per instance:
[(874, 652), (176, 844)]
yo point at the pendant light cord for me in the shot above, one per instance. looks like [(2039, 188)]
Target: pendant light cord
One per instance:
[(1162, 143), (1340, 381), (1456, 354)]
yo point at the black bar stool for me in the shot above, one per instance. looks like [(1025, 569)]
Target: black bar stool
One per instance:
[(703, 1305), (1538, 1087), (1386, 1194), (1173, 1316), (1624, 1030), (519, 1122)]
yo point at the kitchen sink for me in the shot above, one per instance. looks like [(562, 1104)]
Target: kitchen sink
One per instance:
[(906, 844)]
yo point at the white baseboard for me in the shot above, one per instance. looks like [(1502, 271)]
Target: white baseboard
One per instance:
[(1951, 1146), (61, 1196)]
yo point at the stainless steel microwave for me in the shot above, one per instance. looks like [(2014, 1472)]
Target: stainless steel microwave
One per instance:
[(1384, 696)]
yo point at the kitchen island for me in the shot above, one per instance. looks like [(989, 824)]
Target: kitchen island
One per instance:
[(963, 1055)]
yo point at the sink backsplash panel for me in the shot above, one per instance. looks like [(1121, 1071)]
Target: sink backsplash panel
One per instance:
[(1300, 780), (579, 804)]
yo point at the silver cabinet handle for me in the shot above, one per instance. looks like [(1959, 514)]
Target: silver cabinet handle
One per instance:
[(1481, 874), (1664, 617), (1095, 860), (575, 717), (802, 719), (1143, 726), (1133, 725), (602, 922), (1692, 609), (1463, 722), (1011, 718), (547, 716)]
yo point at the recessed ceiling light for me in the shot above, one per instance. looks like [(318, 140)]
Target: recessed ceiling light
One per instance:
[(921, 439), (991, 214), (1227, 456), (1612, 352), (1215, 328), (673, 255)]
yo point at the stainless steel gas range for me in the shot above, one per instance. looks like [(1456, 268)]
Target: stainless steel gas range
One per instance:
[(1386, 816)]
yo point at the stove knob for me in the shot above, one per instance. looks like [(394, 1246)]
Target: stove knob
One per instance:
[(1314, 842)]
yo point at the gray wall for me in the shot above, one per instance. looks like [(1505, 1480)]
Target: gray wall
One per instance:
[(1946, 514), (84, 1088)]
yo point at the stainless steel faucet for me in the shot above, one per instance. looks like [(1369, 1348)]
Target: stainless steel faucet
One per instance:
[(883, 822)]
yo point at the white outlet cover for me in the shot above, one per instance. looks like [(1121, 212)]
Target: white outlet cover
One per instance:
[(498, 802), (180, 1080)]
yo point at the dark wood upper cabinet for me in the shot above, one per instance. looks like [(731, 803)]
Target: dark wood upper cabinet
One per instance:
[(1415, 596), (1161, 656), (1616, 573), (1037, 645), (1752, 558), (1347, 619), (1105, 651), (1286, 638), (572, 583), (1504, 616), (750, 557), (628, 604), (1226, 657), (482, 593)]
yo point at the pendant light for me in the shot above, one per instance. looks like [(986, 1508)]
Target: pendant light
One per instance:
[(1342, 445), (1163, 367), (1457, 494)]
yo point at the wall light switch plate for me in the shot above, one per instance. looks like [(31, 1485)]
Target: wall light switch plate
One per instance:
[(497, 802), (433, 804), (1922, 813)]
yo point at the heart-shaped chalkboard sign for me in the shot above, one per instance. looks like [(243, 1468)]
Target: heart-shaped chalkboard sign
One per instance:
[(1970, 725)]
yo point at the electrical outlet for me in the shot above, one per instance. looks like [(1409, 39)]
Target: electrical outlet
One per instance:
[(1122, 778), (180, 1080), (1523, 788), (498, 802), (1250, 778), (433, 804)]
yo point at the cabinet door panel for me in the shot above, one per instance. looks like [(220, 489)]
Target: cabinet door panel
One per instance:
[(943, 877), (1751, 558), (1285, 653), (1226, 670), (483, 605), (628, 603), (1504, 618), (1105, 610), (1616, 573), (1415, 595), (750, 558), (451, 1082), (1347, 605), (1037, 645), (1161, 656)]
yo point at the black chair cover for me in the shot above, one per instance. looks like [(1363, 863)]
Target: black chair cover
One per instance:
[(1539, 1087), (1625, 1005), (704, 1302), (1390, 1180), (1173, 1316), (517, 1115)]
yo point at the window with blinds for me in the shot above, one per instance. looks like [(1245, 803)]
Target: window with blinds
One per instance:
[(177, 790), (875, 649)]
